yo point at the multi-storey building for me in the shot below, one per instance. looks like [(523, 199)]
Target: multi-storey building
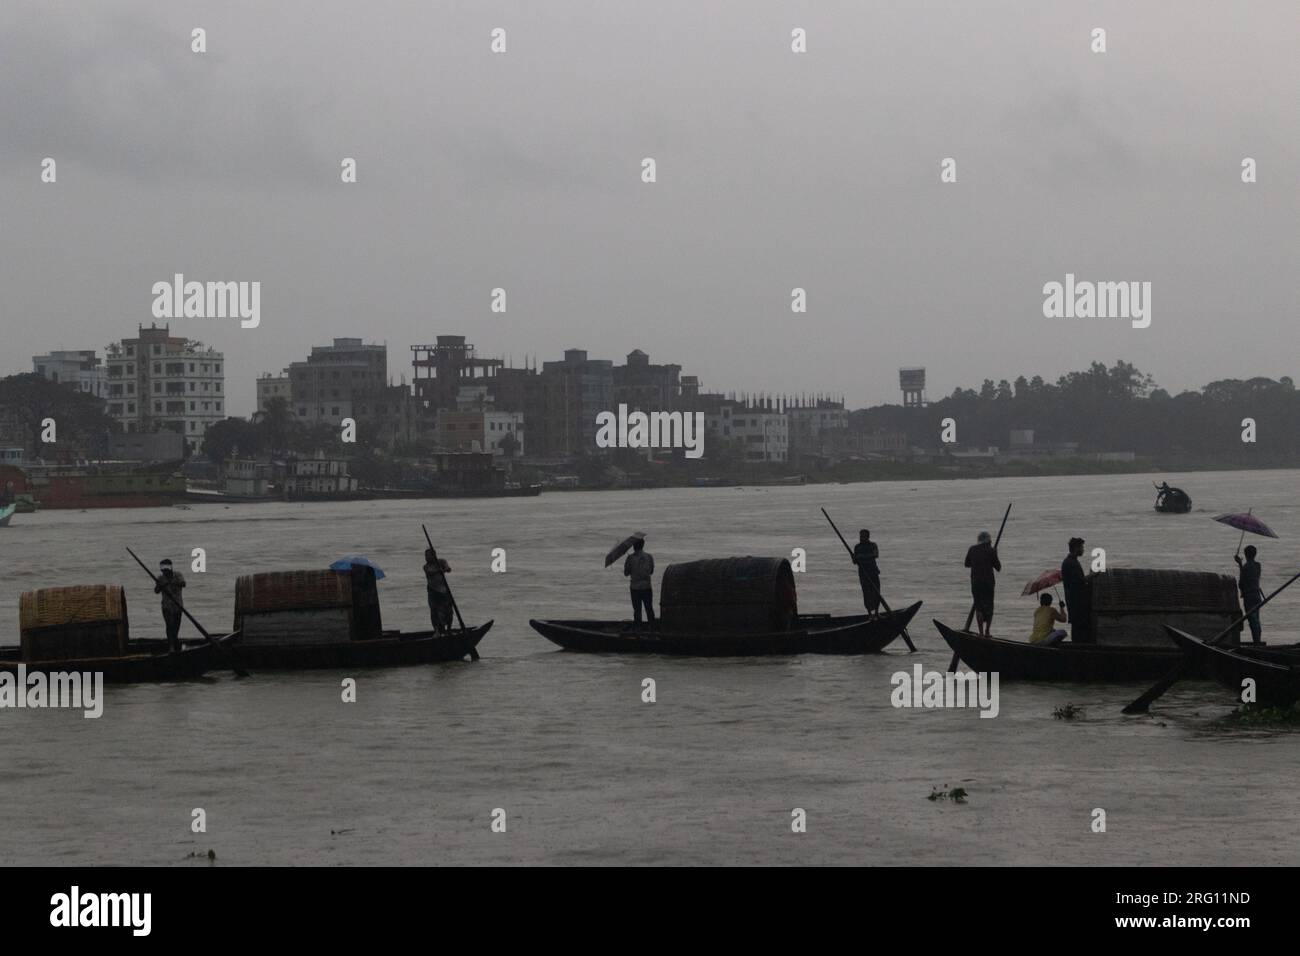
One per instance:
[(442, 369), (812, 422), (574, 392), (273, 386), (645, 387), (160, 381), (501, 433), (338, 381), (81, 370), (754, 431)]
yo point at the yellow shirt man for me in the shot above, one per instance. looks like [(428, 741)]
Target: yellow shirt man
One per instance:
[(1044, 617)]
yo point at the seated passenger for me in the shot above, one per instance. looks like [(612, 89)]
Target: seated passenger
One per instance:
[(1044, 617)]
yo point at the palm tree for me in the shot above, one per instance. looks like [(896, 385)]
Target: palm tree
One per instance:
[(277, 423)]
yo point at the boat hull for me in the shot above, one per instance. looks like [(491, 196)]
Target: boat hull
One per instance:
[(1066, 662), (392, 650), (150, 662), (819, 635), (1276, 685)]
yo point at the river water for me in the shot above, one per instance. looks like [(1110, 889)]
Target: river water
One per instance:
[(412, 772)]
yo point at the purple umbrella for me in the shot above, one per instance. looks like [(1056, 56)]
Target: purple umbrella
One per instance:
[(1244, 523)]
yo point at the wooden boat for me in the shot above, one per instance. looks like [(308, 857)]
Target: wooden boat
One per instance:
[(1276, 653), (85, 627), (144, 662), (1066, 661), (1276, 685), (810, 634), (1173, 501), (301, 620), (393, 649), (6, 513)]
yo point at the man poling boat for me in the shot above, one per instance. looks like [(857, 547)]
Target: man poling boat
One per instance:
[(86, 628), (731, 607), (865, 556)]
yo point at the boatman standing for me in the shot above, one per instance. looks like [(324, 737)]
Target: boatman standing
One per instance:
[(435, 569), (640, 568), (1251, 592), (170, 583), (864, 556), (1078, 594), (982, 559)]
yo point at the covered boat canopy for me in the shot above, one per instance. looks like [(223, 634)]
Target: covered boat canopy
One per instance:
[(308, 606), (1133, 605), (729, 595), (77, 622)]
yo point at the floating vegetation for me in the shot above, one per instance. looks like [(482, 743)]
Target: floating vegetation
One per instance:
[(956, 794), (1069, 712), (1253, 715)]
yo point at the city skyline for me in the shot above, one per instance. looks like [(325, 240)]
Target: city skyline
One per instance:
[(775, 171)]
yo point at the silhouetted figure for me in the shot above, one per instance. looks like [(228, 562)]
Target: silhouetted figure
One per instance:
[(435, 582), (865, 554), (170, 584), (1252, 593), (640, 567), (982, 559), (1078, 594)]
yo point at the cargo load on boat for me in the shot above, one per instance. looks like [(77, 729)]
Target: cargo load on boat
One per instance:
[(729, 595), (73, 623), (1131, 606), (308, 607)]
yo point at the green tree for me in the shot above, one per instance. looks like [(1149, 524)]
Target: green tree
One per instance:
[(79, 418)]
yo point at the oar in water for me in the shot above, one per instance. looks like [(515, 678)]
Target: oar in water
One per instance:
[(883, 603), (473, 651), (1141, 705), (230, 657), (952, 666)]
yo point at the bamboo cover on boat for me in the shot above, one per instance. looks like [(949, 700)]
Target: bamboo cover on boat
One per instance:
[(1132, 605), (729, 595), (292, 591), (281, 607), (81, 621), (1145, 590)]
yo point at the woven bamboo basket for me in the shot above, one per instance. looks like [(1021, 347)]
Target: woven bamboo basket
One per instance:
[(1132, 605), (729, 595), (307, 606), (81, 621)]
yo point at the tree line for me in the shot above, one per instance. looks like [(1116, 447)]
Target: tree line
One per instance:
[(1116, 408)]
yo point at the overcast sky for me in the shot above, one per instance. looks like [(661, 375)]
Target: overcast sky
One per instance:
[(775, 170)]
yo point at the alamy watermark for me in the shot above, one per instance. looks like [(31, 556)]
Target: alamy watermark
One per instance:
[(179, 299), (1098, 300), (72, 689), (952, 689), (626, 429), (74, 909)]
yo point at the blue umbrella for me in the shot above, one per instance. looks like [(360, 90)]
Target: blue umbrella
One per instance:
[(357, 560)]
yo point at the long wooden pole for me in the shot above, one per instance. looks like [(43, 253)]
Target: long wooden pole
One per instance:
[(234, 665), (1156, 690), (883, 603), (952, 666), (451, 597)]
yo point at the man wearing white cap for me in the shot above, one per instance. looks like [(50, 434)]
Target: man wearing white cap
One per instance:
[(169, 586)]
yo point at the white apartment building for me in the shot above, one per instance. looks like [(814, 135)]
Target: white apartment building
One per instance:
[(758, 434), (80, 369), (159, 381)]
